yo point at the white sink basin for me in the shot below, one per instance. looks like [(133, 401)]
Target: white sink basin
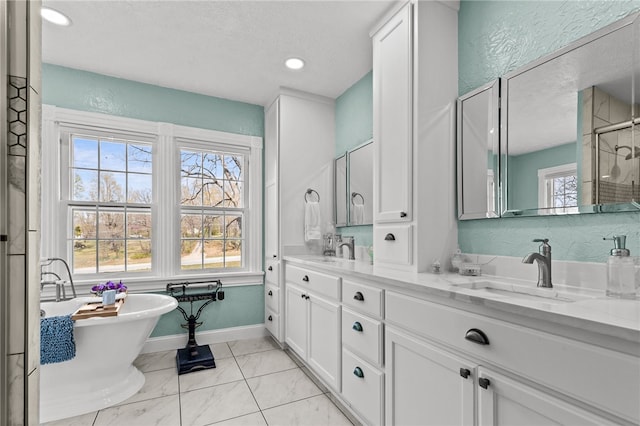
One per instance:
[(497, 289)]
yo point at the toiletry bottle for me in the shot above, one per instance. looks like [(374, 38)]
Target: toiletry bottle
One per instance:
[(620, 270)]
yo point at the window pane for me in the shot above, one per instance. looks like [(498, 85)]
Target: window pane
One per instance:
[(212, 226), (111, 225), (191, 226), (232, 194), (191, 254), (84, 257), (139, 255), (233, 167), (233, 254), (111, 256), (138, 225), (113, 156), (84, 224), (139, 190), (233, 226), (190, 164), (212, 193), (139, 158), (84, 185), (212, 166), (214, 254), (191, 192), (85, 152), (112, 186)]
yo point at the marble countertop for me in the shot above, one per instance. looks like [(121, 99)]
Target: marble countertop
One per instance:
[(583, 309)]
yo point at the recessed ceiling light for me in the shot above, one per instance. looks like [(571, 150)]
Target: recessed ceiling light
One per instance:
[(54, 16), (294, 63)]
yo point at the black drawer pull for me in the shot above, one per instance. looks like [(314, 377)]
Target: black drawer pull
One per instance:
[(477, 336), (464, 372), (302, 296), (270, 268), (358, 296), (358, 372), (275, 255), (403, 214), (357, 326), (270, 293), (484, 383), (305, 278), (270, 318), (389, 237)]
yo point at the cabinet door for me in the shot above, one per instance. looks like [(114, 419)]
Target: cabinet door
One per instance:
[(296, 320), (392, 118), (324, 339), (425, 385), (504, 401), (271, 222)]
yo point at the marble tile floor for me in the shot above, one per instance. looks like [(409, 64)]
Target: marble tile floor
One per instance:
[(255, 383)]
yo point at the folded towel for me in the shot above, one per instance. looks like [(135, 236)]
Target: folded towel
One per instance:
[(56, 339), (357, 214), (312, 230)]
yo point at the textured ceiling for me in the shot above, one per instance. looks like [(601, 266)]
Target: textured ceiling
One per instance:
[(229, 49)]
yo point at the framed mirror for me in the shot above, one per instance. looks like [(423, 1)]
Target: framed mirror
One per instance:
[(478, 153), (340, 190), (360, 191), (569, 142)]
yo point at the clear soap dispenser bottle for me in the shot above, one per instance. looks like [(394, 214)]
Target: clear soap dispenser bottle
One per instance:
[(620, 270)]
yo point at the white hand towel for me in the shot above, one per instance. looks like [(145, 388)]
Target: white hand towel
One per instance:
[(357, 214), (312, 229)]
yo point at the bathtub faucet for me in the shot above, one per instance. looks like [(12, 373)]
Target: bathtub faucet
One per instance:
[(61, 293)]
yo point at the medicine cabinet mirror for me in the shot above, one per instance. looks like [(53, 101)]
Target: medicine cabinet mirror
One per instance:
[(568, 143), (354, 186), (477, 152)]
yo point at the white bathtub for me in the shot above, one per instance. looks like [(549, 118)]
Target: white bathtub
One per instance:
[(101, 374)]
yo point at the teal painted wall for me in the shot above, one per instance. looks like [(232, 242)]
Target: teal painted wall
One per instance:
[(86, 91), (523, 172), (354, 126), (496, 37)]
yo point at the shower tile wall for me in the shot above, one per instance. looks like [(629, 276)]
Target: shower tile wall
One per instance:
[(23, 250)]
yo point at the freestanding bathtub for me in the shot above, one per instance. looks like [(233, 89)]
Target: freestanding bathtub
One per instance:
[(102, 373)]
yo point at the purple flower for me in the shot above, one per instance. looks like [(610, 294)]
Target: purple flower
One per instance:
[(109, 285)]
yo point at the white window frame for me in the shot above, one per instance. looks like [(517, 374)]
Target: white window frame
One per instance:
[(166, 138), (545, 193)]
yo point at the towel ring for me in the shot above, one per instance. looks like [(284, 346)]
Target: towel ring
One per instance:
[(309, 192), (353, 198)]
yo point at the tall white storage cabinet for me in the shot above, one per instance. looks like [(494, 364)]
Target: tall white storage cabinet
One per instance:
[(299, 152), (415, 86)]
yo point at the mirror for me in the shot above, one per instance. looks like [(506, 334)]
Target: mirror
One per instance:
[(360, 161), (340, 191), (477, 139), (568, 143)]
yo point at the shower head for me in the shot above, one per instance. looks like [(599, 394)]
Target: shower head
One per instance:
[(636, 155), (635, 151)]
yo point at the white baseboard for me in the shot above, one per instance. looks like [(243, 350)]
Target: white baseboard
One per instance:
[(177, 341)]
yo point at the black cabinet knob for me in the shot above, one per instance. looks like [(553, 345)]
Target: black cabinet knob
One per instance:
[(484, 383), (270, 318), (358, 372), (357, 326), (270, 268), (477, 336), (464, 372), (358, 296), (403, 214), (305, 278), (270, 293), (389, 237), (302, 296), (275, 255)]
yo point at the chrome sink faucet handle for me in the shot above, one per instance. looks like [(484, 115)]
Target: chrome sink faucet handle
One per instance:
[(543, 259)]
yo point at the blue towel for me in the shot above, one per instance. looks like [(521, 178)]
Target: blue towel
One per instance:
[(56, 339)]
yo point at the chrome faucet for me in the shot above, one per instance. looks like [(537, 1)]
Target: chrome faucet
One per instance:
[(58, 281), (543, 257), (350, 244)]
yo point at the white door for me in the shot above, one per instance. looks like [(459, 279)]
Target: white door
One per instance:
[(296, 318), (324, 339), (505, 401), (392, 118), (425, 385)]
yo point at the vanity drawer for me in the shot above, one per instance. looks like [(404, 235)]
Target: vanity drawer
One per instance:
[(363, 297), (585, 372), (272, 272), (271, 297), (363, 335), (362, 387), (327, 285), (393, 244), (272, 323)]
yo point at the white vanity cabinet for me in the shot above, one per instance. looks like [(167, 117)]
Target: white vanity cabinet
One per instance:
[(313, 321), (415, 87)]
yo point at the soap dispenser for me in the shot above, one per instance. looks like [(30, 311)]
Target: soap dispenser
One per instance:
[(620, 270)]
